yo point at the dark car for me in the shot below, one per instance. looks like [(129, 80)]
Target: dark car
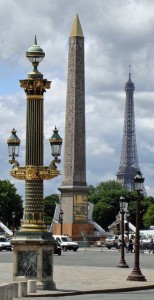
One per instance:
[(57, 248)]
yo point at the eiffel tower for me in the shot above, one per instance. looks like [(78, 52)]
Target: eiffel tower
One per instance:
[(129, 160)]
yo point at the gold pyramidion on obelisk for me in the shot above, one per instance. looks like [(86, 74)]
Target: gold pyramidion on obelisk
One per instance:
[(76, 29)]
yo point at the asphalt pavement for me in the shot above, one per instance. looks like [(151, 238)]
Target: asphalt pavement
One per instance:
[(81, 279)]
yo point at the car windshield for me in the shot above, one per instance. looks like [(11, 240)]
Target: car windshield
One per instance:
[(3, 240), (143, 237), (65, 239), (111, 237)]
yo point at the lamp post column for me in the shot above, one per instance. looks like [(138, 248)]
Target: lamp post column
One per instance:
[(128, 216), (61, 221), (136, 274), (122, 263), (13, 218), (61, 226)]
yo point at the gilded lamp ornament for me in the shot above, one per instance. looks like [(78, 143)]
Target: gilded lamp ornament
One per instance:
[(31, 172)]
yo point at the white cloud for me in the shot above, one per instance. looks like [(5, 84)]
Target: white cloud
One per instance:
[(96, 148), (117, 33)]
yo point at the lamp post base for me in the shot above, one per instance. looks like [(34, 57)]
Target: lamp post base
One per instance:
[(136, 275), (122, 264), (33, 258)]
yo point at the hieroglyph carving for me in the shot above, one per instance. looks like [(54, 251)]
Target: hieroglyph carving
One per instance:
[(74, 153)]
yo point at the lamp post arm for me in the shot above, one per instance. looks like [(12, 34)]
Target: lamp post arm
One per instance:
[(15, 162), (53, 163)]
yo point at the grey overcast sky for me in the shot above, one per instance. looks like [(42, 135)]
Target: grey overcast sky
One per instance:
[(117, 34)]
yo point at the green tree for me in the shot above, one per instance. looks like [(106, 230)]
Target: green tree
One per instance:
[(10, 201), (49, 208), (108, 194), (102, 214), (148, 218)]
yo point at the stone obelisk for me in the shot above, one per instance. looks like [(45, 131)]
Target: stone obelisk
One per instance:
[(74, 190)]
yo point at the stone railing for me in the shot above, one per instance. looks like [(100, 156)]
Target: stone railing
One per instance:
[(16, 290)]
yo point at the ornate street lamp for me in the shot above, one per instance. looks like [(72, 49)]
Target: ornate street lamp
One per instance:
[(123, 208), (33, 244), (61, 220), (13, 146), (55, 143), (136, 274), (13, 218)]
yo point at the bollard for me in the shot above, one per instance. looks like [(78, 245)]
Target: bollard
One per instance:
[(2, 291), (22, 289), (7, 292), (31, 286), (15, 290)]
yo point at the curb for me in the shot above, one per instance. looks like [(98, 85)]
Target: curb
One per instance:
[(104, 291)]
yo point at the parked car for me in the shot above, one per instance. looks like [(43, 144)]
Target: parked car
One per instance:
[(145, 242), (66, 243), (112, 241), (5, 244)]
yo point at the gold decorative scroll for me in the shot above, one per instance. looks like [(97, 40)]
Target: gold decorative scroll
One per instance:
[(35, 86), (34, 173)]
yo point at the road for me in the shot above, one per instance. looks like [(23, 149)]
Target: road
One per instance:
[(92, 257), (105, 258)]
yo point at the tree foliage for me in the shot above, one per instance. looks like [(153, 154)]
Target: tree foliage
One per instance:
[(102, 213), (49, 208), (106, 196), (148, 218), (10, 201)]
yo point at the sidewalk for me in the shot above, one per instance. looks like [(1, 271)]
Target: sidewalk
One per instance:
[(80, 280)]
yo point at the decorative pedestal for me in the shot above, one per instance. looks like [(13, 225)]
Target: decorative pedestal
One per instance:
[(73, 230), (33, 259)]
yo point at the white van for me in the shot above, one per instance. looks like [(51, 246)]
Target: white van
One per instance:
[(5, 244), (66, 243)]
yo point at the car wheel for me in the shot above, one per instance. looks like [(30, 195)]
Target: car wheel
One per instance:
[(74, 250)]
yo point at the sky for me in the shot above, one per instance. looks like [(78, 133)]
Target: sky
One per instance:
[(117, 34)]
